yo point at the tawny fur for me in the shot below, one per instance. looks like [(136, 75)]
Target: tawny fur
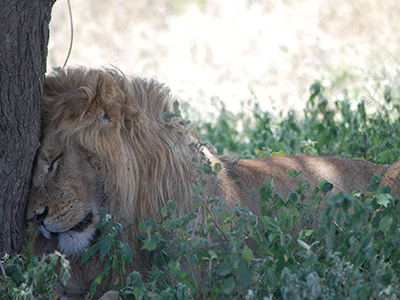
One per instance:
[(121, 153), (392, 178)]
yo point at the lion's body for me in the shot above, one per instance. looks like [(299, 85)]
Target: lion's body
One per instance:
[(242, 179), (107, 143), (392, 178)]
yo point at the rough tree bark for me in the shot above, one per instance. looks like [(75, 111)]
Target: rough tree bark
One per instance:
[(24, 34)]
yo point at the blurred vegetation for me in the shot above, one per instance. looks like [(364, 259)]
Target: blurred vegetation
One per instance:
[(349, 127)]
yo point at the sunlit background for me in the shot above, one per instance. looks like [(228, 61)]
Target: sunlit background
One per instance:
[(234, 50)]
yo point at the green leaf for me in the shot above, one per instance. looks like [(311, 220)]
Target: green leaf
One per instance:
[(326, 186), (329, 242), (89, 252), (315, 90), (279, 153), (278, 202), (384, 190), (172, 206), (168, 115), (175, 108), (164, 212), (348, 201), (388, 225), (149, 225), (304, 244), (126, 252), (223, 269), (375, 183), (292, 199), (213, 254), (142, 226), (107, 267), (265, 193), (149, 245), (287, 219), (340, 217), (95, 282), (175, 266), (243, 277), (135, 279), (197, 189), (384, 199), (229, 285), (118, 226), (169, 147), (269, 223), (387, 277), (386, 156), (105, 245), (207, 168), (295, 174), (247, 253), (217, 167)]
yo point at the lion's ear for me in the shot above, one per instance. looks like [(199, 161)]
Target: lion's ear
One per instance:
[(105, 105), (85, 106), (98, 128), (103, 118), (79, 100)]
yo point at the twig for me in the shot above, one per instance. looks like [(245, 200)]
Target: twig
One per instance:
[(2, 270), (337, 225), (72, 33), (215, 221), (206, 225), (196, 222)]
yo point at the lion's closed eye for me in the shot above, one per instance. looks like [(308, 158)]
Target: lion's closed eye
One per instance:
[(54, 164)]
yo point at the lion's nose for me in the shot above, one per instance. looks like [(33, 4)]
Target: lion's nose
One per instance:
[(39, 218)]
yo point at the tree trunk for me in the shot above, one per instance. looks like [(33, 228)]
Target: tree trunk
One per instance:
[(24, 34)]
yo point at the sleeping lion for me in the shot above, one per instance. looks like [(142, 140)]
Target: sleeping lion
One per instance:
[(109, 142)]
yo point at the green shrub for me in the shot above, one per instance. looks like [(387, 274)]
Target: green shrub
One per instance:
[(114, 254), (338, 128), (35, 280), (352, 254)]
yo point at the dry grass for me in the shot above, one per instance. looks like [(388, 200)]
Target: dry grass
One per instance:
[(236, 49)]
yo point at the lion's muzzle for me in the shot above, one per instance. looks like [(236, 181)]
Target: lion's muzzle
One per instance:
[(38, 219)]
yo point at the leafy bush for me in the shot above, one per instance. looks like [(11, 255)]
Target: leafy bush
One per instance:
[(36, 280), (353, 254), (344, 128), (115, 254)]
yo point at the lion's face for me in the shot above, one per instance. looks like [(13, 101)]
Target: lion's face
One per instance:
[(66, 196)]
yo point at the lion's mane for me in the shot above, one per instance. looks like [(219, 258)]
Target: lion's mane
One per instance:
[(123, 122)]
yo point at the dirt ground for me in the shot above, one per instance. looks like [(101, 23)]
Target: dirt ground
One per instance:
[(234, 50)]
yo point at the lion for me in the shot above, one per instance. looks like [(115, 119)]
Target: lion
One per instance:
[(392, 178), (113, 142)]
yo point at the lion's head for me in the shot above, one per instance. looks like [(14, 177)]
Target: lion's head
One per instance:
[(107, 143)]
